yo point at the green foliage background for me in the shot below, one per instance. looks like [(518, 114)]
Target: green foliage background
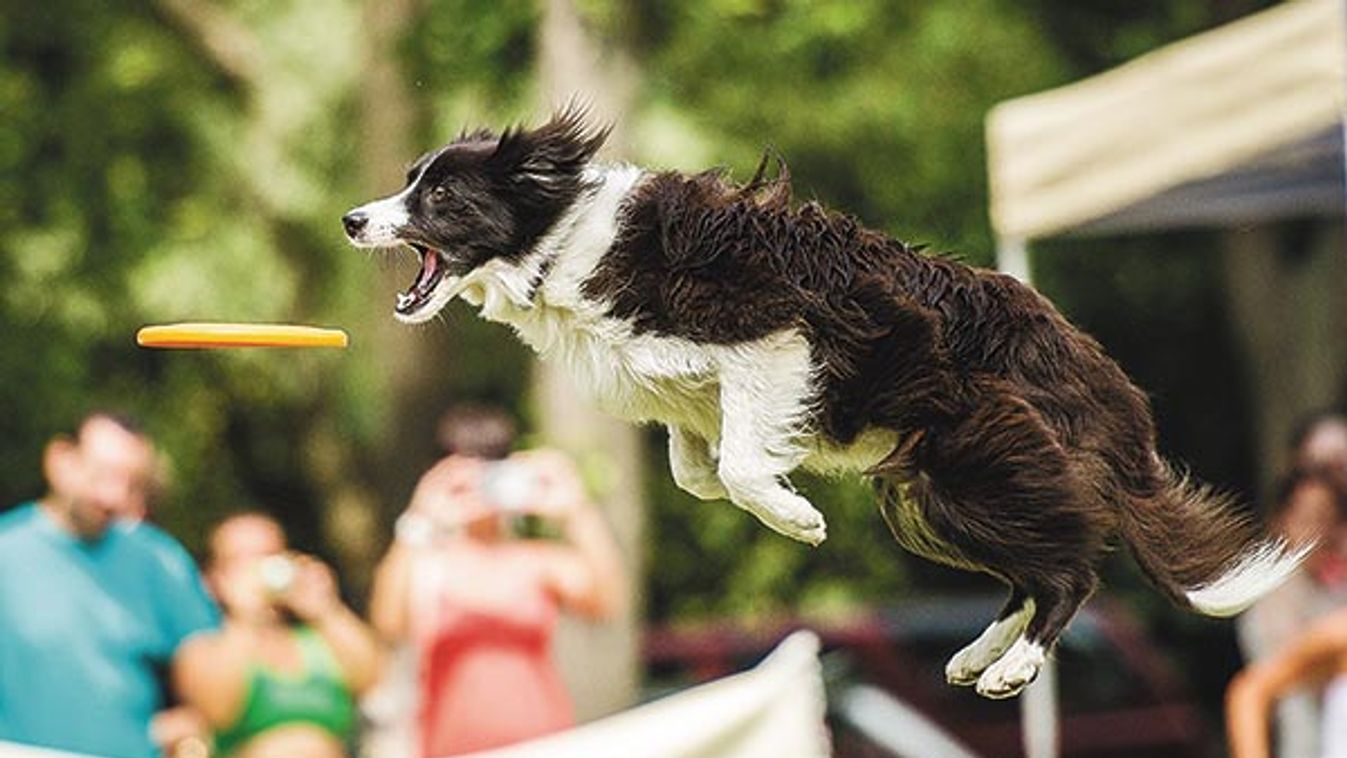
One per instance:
[(140, 182)]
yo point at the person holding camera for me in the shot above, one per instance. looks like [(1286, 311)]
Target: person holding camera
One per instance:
[(478, 598), (282, 676)]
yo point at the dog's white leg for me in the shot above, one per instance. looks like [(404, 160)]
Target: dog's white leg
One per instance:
[(764, 398), (969, 663), (692, 465), (1013, 671)]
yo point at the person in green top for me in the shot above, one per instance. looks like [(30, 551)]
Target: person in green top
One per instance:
[(282, 676)]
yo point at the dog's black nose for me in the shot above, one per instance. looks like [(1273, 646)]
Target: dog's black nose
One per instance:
[(354, 222)]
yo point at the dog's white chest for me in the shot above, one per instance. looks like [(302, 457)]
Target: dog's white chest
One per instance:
[(636, 377), (644, 378)]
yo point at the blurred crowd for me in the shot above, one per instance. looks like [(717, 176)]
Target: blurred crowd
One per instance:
[(1291, 699), (114, 642)]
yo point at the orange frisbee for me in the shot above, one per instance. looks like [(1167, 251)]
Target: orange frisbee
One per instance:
[(211, 335)]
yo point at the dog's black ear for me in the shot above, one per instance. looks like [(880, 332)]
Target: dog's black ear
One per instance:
[(476, 135), (550, 157)]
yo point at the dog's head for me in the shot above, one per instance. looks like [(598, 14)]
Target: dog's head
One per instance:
[(480, 198)]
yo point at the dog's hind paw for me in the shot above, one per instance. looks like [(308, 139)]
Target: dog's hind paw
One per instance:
[(967, 665), (1009, 675)]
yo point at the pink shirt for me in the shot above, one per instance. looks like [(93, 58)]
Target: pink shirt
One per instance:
[(484, 620)]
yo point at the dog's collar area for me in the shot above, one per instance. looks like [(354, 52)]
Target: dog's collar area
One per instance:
[(549, 246), (544, 267)]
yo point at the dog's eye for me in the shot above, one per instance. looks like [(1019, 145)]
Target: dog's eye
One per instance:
[(439, 195)]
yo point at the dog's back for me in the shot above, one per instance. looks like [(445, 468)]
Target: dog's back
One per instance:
[(897, 335)]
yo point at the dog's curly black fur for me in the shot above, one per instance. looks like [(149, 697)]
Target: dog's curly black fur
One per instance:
[(1018, 430)]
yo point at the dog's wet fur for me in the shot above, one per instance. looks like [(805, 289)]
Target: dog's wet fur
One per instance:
[(768, 335)]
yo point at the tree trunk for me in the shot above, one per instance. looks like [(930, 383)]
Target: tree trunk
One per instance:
[(415, 361), (349, 514), (601, 662), (1285, 285)]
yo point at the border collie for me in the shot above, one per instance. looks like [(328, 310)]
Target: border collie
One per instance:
[(768, 335)]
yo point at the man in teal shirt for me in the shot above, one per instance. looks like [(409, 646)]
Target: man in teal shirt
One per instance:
[(89, 613)]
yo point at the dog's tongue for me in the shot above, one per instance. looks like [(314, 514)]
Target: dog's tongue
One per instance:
[(430, 269), (430, 274)]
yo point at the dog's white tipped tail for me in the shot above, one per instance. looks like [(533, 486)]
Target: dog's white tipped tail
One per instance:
[(1256, 573), (1201, 550)]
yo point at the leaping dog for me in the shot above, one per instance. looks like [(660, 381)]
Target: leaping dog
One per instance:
[(767, 335)]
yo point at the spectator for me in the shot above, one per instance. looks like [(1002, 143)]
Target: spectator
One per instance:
[(177, 726), (280, 678), (1317, 658), (479, 603), (1310, 506), (89, 618), (1320, 441)]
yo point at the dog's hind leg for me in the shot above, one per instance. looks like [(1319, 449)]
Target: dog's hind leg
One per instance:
[(692, 465), (993, 490), (764, 402), (969, 663)]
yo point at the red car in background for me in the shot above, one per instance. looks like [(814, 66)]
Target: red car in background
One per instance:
[(1118, 696)]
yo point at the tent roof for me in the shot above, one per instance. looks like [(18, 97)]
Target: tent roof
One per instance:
[(1239, 124)]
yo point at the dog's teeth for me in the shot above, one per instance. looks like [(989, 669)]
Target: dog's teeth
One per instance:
[(405, 299)]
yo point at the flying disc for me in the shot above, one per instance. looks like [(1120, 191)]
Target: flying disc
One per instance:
[(211, 335)]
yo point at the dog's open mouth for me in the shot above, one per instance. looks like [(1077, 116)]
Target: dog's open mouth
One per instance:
[(423, 292)]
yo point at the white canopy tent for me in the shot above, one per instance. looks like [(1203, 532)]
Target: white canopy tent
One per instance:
[(1234, 127), (1240, 124)]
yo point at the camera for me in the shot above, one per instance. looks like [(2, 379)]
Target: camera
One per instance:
[(509, 485), (277, 573)]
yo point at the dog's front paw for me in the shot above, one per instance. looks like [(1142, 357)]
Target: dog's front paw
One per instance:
[(703, 485), (812, 536), (693, 466), (1009, 675), (796, 519)]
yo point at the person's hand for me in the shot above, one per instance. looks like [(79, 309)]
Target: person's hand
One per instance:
[(560, 490), (180, 732), (312, 593), (449, 490)]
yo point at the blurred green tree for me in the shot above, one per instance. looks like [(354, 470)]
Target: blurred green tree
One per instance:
[(175, 159), (188, 160)]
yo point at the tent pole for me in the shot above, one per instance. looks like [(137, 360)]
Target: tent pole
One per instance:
[(1012, 257), (1038, 714), (1038, 704), (1342, 120)]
